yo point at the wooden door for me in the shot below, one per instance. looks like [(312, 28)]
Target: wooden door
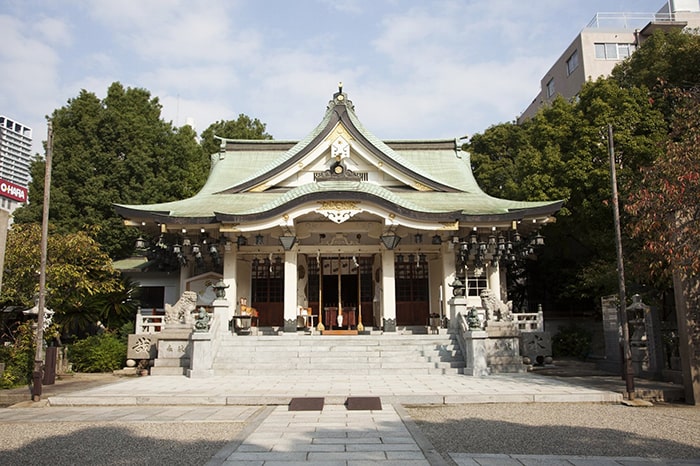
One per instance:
[(412, 300)]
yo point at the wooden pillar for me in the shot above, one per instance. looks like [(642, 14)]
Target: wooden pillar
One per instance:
[(388, 291), (231, 278), (448, 277), (290, 291), (494, 278), (4, 225)]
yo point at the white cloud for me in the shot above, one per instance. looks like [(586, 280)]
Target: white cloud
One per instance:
[(28, 67), (53, 30), (179, 32), (414, 69)]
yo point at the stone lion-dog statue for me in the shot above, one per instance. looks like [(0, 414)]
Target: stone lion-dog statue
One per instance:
[(181, 311), (496, 309)]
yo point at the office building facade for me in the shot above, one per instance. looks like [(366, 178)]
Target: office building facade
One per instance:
[(608, 39)]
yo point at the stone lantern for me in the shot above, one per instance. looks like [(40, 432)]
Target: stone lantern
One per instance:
[(220, 289)]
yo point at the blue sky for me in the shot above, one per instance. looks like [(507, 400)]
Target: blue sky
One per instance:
[(415, 69)]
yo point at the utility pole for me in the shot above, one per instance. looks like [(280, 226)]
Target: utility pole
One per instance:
[(628, 372), (39, 342)]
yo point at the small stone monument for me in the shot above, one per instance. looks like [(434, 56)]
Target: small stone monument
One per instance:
[(473, 320), (202, 321)]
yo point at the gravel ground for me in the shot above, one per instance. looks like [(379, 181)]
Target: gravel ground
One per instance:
[(661, 431), (113, 443)]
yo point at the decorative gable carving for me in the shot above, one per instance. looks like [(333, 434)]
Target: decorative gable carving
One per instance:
[(339, 211), (340, 148)]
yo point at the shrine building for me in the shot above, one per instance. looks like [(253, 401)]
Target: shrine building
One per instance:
[(340, 222)]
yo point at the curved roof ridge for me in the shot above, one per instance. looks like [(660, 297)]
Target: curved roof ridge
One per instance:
[(385, 149), (301, 144)]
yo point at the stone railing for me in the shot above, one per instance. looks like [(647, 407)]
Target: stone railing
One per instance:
[(148, 323), (529, 321)]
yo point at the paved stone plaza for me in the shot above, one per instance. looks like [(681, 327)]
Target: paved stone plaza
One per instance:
[(518, 419)]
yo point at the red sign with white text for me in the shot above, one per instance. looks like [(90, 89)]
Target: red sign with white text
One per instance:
[(13, 191)]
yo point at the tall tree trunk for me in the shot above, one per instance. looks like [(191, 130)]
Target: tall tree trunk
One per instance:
[(687, 294)]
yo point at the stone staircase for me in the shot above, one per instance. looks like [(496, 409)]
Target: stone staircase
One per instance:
[(333, 354)]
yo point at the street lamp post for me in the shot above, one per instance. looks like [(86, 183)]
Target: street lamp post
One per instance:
[(39, 342), (627, 370)]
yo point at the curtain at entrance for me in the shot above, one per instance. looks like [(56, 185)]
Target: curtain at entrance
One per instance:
[(354, 284)]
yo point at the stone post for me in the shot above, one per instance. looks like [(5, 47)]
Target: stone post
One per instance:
[(458, 305), (475, 357), (202, 357)]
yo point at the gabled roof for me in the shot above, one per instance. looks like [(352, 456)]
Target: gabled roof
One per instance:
[(419, 179)]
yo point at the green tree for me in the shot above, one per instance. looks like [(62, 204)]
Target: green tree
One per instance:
[(76, 269), (671, 57), (666, 207), (242, 128), (562, 153), (494, 154), (114, 150)]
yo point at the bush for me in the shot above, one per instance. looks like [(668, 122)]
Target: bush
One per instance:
[(572, 341), (98, 353), (18, 358)]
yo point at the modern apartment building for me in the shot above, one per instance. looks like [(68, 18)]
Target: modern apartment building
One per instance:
[(608, 39), (15, 159)]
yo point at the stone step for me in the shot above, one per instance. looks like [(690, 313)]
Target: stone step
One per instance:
[(335, 370), (335, 341), (344, 362), (282, 351), (339, 354), (165, 370), (310, 350), (507, 368)]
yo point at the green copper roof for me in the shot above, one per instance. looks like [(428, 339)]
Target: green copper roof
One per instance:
[(231, 191)]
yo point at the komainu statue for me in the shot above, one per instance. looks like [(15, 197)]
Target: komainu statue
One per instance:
[(181, 311), (496, 309)]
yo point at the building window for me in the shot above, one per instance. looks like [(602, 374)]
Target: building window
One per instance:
[(550, 88), (476, 283), (572, 63), (152, 297), (625, 50), (613, 51)]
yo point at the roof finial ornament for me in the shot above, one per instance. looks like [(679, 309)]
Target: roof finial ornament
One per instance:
[(340, 87)]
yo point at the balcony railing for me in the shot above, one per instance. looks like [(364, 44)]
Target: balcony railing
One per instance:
[(628, 20)]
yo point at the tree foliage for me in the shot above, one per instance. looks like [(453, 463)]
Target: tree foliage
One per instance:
[(18, 357), (119, 150), (562, 153), (672, 57), (76, 269), (243, 127), (114, 150), (665, 208)]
